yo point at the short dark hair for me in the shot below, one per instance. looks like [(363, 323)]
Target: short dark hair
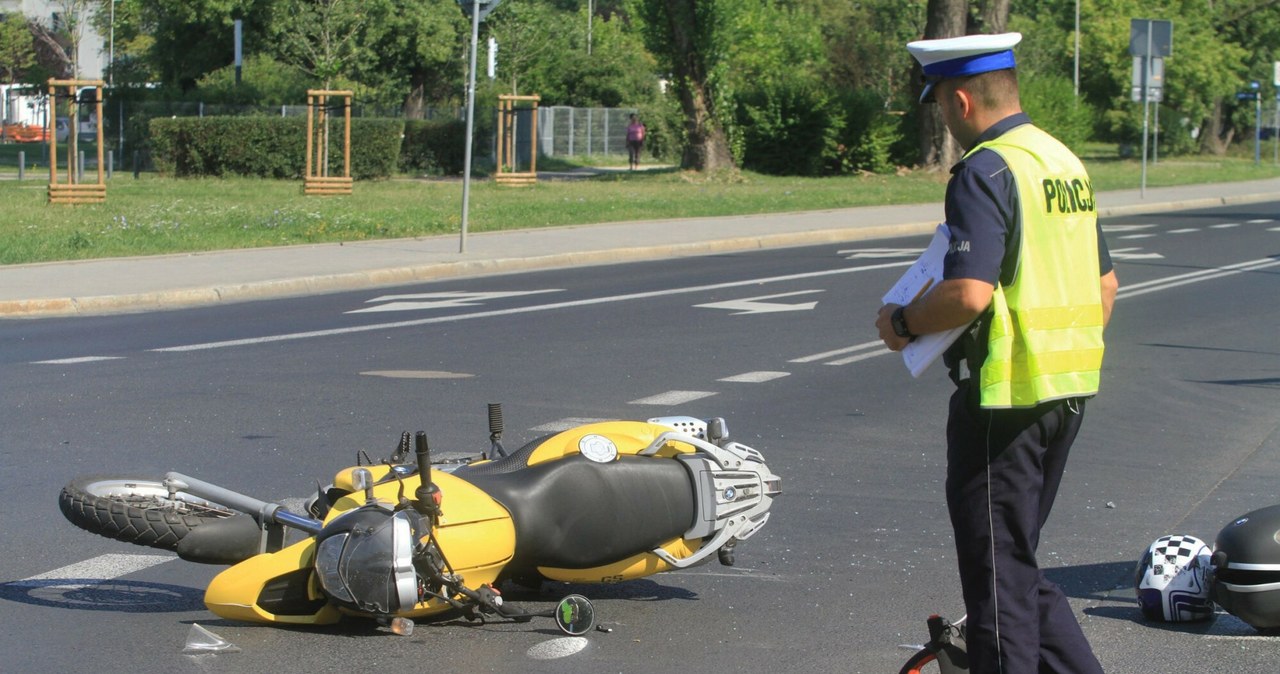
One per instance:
[(993, 89)]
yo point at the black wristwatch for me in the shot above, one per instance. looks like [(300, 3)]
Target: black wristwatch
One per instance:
[(899, 323)]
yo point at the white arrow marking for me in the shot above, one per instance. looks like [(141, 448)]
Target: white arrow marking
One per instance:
[(1132, 254), (879, 253), (442, 300), (756, 305)]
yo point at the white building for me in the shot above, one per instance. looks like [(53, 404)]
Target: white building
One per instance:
[(27, 107), (92, 55)]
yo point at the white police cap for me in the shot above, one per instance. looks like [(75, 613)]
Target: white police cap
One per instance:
[(962, 56)]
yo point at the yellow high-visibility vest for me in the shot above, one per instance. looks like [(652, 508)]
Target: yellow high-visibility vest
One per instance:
[(1045, 341)]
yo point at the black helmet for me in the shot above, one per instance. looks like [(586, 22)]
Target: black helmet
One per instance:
[(1246, 568)]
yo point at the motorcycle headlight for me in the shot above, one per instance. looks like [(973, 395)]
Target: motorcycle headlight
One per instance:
[(364, 559)]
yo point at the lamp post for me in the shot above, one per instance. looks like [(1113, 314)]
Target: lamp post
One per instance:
[(476, 10), (1077, 60), (111, 50)]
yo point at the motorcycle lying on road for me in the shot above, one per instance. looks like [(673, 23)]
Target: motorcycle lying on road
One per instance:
[(400, 540)]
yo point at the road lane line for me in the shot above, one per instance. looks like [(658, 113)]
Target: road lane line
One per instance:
[(76, 361), (838, 352), (521, 310), (756, 377), (99, 569), (565, 424), (673, 398)]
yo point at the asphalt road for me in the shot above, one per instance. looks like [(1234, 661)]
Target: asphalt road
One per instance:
[(268, 397)]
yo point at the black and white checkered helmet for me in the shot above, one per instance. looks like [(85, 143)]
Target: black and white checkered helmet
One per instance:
[(1171, 582)]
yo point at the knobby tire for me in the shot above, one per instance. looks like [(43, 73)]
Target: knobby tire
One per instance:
[(134, 510)]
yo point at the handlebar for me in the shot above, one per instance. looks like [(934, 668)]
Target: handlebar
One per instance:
[(264, 511)]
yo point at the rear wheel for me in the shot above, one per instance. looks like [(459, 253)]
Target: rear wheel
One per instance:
[(134, 510), (921, 661)]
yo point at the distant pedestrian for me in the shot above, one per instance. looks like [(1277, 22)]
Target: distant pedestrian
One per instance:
[(635, 141)]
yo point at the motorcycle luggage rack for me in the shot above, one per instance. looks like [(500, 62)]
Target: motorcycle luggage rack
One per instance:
[(717, 471)]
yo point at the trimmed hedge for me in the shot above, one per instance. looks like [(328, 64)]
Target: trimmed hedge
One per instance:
[(268, 147), (434, 147)]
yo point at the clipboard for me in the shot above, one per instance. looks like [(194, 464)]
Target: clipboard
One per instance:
[(915, 283)]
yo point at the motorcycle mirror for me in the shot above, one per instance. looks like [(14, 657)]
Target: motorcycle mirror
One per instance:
[(575, 615)]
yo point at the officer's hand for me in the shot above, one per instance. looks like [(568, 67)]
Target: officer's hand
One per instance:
[(887, 335)]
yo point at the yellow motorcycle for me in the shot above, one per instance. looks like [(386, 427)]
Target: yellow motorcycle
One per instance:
[(397, 539)]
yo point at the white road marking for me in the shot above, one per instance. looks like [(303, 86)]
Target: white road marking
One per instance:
[(862, 356), (416, 374), (1125, 228), (1194, 277), (75, 361), (565, 424), (879, 253), (756, 377), (1225, 225), (560, 647), (1132, 254), (838, 352), (1136, 236), (100, 569), (1260, 221), (757, 305), (673, 398), (522, 310), (1184, 230), (441, 300)]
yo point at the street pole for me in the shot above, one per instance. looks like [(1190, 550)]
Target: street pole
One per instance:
[(1146, 110), (111, 51), (1077, 62), (471, 115)]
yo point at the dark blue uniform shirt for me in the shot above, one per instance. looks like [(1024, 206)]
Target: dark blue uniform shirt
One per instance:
[(982, 214)]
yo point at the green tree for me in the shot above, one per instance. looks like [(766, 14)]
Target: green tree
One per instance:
[(684, 36), (194, 37), (320, 37), (17, 52), (417, 53)]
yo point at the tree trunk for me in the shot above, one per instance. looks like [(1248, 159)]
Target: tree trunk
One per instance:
[(708, 147), (992, 18), (1214, 137), (946, 18)]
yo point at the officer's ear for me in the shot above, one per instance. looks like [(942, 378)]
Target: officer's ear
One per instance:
[(963, 99)]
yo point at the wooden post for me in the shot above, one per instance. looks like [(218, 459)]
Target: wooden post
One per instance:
[(317, 179), (507, 151), (73, 191)]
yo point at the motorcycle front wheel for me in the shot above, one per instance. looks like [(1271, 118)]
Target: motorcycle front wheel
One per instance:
[(135, 510)]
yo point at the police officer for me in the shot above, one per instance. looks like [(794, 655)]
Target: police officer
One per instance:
[(1028, 272)]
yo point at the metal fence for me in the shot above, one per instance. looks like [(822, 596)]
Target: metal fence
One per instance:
[(582, 132), (562, 131)]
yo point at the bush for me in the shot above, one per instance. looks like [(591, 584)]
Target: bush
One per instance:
[(789, 128), (268, 147), (1052, 105), (434, 147), (871, 137)]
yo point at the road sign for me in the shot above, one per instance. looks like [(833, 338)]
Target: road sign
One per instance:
[(486, 6), (1150, 37), (1154, 94)]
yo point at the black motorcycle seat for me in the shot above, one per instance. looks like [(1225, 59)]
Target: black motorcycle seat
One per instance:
[(574, 513)]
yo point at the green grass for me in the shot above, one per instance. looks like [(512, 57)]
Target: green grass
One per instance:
[(155, 215)]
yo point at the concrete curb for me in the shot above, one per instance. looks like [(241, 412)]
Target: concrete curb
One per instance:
[(328, 283)]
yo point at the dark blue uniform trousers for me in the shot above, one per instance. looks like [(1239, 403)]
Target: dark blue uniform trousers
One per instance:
[(1003, 472)]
